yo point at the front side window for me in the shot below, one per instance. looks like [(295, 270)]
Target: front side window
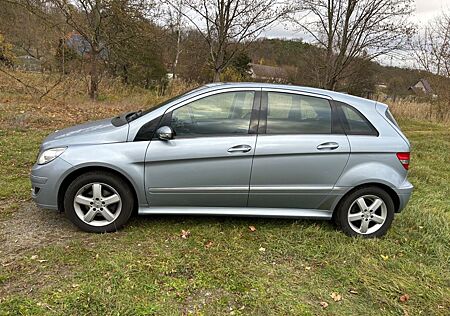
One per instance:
[(297, 114), (220, 114)]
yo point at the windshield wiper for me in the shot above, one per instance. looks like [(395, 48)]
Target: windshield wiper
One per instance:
[(133, 115)]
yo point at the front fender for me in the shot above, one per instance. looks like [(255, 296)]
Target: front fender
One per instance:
[(126, 158)]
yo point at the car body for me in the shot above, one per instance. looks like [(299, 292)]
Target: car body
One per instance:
[(247, 149)]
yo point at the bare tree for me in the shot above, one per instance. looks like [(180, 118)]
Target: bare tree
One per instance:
[(228, 25), (431, 46), (101, 25), (175, 23), (349, 30)]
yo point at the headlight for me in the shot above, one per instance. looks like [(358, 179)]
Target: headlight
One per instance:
[(49, 155)]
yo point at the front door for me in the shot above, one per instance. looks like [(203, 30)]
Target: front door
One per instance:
[(299, 155), (208, 162)]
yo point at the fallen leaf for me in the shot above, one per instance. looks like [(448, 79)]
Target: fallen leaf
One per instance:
[(384, 257), (336, 297), (185, 234), (307, 268), (324, 304), (351, 291), (252, 228), (209, 244), (404, 298), (262, 249)]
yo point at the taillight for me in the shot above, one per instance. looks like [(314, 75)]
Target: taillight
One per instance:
[(404, 159)]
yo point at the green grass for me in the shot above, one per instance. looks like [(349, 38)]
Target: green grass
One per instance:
[(147, 269)]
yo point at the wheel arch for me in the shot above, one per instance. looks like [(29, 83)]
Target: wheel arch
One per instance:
[(77, 172), (394, 196)]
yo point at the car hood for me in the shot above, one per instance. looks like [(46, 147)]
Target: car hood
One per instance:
[(97, 132)]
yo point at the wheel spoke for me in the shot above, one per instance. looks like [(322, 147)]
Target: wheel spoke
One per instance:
[(111, 199), (90, 215), (377, 219), (80, 199), (107, 214), (361, 204), (375, 205), (97, 190), (364, 226), (355, 217)]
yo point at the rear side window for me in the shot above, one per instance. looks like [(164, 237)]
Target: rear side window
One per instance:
[(354, 123), (297, 114), (391, 118)]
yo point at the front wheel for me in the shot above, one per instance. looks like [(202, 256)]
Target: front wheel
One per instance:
[(98, 202), (366, 212)]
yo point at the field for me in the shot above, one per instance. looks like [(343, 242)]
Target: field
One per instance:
[(284, 267)]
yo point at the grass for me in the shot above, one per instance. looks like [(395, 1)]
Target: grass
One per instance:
[(285, 267)]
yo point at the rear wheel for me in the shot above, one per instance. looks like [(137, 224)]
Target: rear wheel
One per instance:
[(366, 212), (98, 202)]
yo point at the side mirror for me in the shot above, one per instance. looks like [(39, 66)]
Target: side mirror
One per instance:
[(165, 133)]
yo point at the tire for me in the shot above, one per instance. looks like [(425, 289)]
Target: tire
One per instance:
[(98, 202), (374, 221)]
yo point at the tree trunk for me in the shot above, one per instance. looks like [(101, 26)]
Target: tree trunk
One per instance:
[(217, 73), (93, 74)]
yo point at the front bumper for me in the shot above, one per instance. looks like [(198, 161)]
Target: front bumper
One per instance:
[(404, 194), (45, 182)]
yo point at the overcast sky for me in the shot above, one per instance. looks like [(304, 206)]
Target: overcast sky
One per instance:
[(425, 11)]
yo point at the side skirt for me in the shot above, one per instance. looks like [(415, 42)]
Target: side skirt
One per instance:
[(236, 211)]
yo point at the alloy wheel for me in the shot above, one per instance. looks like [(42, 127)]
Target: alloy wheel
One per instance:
[(367, 214), (97, 204)]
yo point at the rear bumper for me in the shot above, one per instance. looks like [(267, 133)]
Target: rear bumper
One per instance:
[(404, 194)]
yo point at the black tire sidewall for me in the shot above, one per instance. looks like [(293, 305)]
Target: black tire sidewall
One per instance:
[(115, 182), (341, 215)]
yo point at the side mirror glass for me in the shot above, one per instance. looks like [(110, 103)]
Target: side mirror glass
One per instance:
[(165, 133)]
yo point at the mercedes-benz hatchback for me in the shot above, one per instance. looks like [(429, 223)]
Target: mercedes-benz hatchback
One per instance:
[(244, 149)]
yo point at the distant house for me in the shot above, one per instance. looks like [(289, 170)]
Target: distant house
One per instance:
[(28, 63), (422, 87), (268, 73), (80, 45)]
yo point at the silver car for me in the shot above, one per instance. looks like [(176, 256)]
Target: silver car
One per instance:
[(244, 149)]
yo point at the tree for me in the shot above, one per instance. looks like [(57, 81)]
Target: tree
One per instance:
[(101, 24), (349, 30), (431, 47), (6, 54), (175, 22), (228, 24)]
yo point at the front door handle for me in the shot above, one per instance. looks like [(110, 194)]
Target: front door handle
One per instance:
[(240, 148), (328, 146)]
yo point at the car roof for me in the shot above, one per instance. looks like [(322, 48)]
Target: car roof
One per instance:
[(338, 96)]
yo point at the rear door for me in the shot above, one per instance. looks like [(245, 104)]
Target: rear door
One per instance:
[(208, 162), (300, 153)]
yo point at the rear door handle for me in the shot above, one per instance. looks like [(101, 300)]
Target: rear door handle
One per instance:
[(240, 148), (328, 146)]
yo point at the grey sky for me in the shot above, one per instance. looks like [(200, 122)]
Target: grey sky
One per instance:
[(425, 11)]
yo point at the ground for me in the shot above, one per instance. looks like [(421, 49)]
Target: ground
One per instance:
[(221, 267)]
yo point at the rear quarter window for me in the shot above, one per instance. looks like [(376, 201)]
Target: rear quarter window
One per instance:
[(354, 123), (391, 118)]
